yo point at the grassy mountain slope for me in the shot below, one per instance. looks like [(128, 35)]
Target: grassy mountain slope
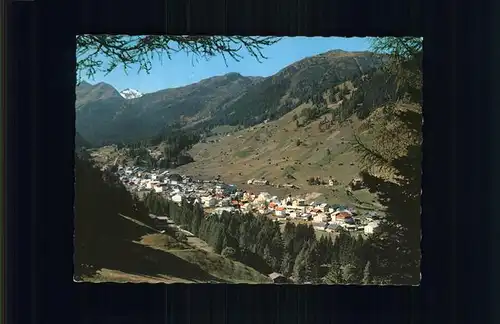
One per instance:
[(159, 258), (214, 264), (291, 150), (270, 151)]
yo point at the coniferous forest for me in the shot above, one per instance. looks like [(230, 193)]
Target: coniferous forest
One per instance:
[(258, 242)]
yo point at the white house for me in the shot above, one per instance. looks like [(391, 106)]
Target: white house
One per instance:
[(320, 226), (208, 201), (264, 211), (299, 202), (298, 209), (247, 207), (177, 198), (320, 217), (220, 210), (280, 212), (225, 202), (372, 227), (263, 196), (152, 184), (323, 207)]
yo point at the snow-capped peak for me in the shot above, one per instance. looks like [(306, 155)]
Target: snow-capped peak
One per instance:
[(130, 94)]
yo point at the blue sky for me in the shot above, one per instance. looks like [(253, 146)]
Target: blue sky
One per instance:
[(181, 70)]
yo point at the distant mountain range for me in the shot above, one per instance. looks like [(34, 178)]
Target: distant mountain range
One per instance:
[(104, 115)]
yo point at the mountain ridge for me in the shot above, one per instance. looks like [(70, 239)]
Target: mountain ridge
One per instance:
[(104, 116)]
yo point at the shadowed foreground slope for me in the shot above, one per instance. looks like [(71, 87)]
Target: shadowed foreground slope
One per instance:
[(111, 247)]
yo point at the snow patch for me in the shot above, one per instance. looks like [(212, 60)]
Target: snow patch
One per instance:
[(130, 94)]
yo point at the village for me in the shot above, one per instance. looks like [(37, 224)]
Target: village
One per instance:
[(217, 197)]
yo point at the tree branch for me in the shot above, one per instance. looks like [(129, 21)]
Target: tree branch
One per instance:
[(130, 50)]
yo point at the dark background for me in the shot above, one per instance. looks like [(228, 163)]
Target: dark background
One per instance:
[(457, 166)]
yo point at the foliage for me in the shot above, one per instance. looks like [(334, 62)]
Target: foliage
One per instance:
[(367, 274), (174, 145), (405, 62), (396, 150), (314, 181), (104, 53)]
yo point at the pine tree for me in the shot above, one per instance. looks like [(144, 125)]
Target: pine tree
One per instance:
[(277, 250), (397, 150), (230, 241), (287, 264), (288, 236), (267, 256), (234, 226), (219, 238), (197, 219), (344, 246), (367, 274), (334, 275), (330, 251), (313, 262), (300, 268), (323, 250)]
